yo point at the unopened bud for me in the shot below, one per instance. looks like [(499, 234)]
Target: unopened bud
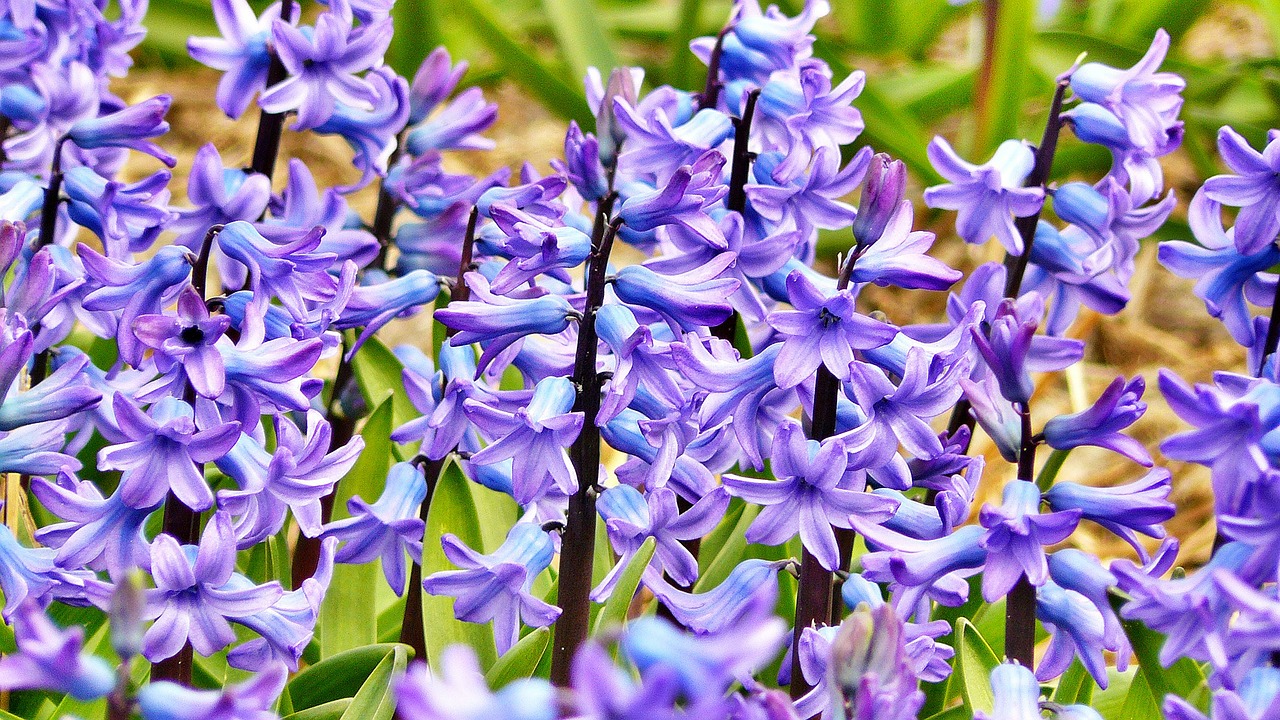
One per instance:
[(622, 84), (884, 192), (128, 608)]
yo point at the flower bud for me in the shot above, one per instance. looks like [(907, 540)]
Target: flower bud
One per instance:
[(884, 193), (622, 85), (128, 606)]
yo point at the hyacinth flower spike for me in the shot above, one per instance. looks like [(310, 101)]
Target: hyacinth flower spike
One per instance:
[(388, 528)]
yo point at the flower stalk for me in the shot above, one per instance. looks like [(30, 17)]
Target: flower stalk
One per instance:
[(1020, 605), (573, 594)]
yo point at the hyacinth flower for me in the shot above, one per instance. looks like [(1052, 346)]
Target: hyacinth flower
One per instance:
[(1145, 101), (456, 126), (434, 81), (220, 195), (534, 437), (371, 133), (287, 627), (303, 206), (582, 164), (127, 217), (753, 583), (1137, 507), (663, 141), (61, 395), (49, 658), (291, 272), (323, 64), (131, 127), (705, 665), (192, 600), (271, 375), (639, 361), (685, 300), (895, 255), (928, 659), (252, 699), (535, 247), (99, 533), (373, 306), (388, 528), (761, 41), (439, 396), (164, 447), (497, 321), (603, 690), (496, 587), (987, 197), (1226, 279), (295, 475), (240, 53), (1119, 406), (809, 200), (135, 289), (457, 691), (183, 346), (868, 674), (821, 330), (631, 517), (36, 449), (1016, 535), (810, 496), (682, 200)]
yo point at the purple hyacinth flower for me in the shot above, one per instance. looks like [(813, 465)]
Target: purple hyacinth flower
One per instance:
[(988, 197), (24, 573), (163, 452), (252, 699), (535, 246), (738, 388), (685, 300), (135, 289), (1137, 507), (604, 690), (809, 200), (534, 437), (388, 528), (899, 256), (500, 321), (1253, 189), (763, 41), (457, 126), (287, 627), (371, 133), (434, 81), (704, 665), (1076, 628), (438, 396), (821, 330), (130, 127), (292, 272), (191, 600), (63, 394), (1145, 101), (582, 164), (631, 517), (496, 587), (1016, 535), (127, 217), (752, 584), (295, 475), (373, 306), (268, 376), (322, 65), (36, 449), (303, 206), (638, 360), (868, 673), (457, 690), (241, 53), (1005, 347), (811, 495), (49, 658), (801, 112), (1119, 406), (683, 200), (1226, 279), (220, 195), (882, 198), (99, 533), (183, 346)]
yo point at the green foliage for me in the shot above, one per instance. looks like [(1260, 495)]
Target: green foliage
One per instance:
[(355, 678), (973, 665), (614, 612), (347, 618), (522, 660), (1184, 678)]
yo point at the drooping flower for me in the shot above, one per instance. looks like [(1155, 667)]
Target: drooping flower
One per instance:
[(1016, 535), (49, 658), (988, 197), (388, 528)]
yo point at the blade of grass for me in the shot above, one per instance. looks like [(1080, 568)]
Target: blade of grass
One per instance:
[(583, 40)]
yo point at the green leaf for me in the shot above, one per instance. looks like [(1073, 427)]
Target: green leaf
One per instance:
[(521, 661), (974, 663), (335, 678), (682, 65), (614, 613), (417, 24), (453, 510), (331, 710), (1140, 704), (1184, 678), (523, 66), (958, 712), (1140, 18), (375, 700), (583, 40), (348, 618), (1075, 687), (379, 373)]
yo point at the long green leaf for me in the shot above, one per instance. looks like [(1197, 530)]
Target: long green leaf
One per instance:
[(685, 29), (1140, 703), (417, 24), (523, 66), (331, 710), (453, 510), (1140, 18), (614, 613), (337, 677), (1075, 686), (379, 373), (521, 661), (583, 40), (348, 618), (974, 663), (375, 699)]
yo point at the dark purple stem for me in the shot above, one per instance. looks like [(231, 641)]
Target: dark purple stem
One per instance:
[(710, 96), (1020, 605), (737, 198), (578, 543), (266, 147)]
